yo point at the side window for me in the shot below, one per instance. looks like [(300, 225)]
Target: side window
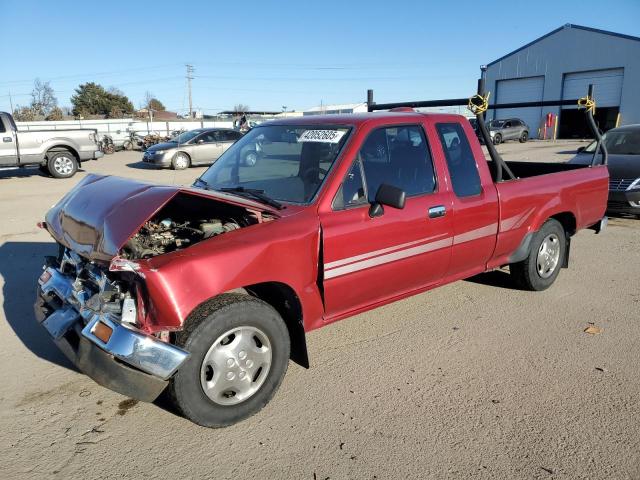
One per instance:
[(507, 125), (2, 129), (460, 160), (207, 137), (352, 189), (398, 156)]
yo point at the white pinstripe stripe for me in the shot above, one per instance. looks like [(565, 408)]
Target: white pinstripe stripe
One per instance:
[(401, 251)]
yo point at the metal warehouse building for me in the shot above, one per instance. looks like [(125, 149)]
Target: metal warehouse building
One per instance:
[(561, 65)]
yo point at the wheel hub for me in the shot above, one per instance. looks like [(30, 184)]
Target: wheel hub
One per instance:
[(548, 255), (236, 365), (63, 165)]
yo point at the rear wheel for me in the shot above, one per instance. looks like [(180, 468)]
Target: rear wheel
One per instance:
[(239, 348), (180, 161), (497, 139), (541, 268), (524, 137), (62, 164)]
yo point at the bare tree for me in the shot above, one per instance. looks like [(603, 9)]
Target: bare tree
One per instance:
[(240, 108), (55, 114), (24, 114), (43, 100)]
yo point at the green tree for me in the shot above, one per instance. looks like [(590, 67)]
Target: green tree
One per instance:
[(92, 99), (152, 103)]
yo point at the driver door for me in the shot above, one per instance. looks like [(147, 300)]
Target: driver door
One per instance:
[(8, 150), (207, 148), (371, 260)]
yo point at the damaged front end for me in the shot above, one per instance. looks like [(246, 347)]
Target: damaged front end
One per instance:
[(92, 320), (93, 298)]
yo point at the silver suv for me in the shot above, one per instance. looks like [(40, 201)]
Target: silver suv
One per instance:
[(508, 129)]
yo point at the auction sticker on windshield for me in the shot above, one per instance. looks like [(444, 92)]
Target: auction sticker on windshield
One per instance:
[(324, 136)]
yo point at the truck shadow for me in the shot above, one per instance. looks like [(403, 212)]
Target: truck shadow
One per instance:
[(25, 173), (495, 278), (20, 266)]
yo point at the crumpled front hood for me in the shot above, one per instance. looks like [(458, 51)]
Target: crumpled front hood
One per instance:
[(100, 214)]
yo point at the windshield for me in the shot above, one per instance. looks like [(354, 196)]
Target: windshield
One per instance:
[(619, 143), (287, 163), (186, 136)]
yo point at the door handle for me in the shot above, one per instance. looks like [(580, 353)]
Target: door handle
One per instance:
[(7, 139), (438, 211)]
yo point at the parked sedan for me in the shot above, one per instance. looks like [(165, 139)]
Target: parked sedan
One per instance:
[(623, 145), (195, 147), (508, 129)]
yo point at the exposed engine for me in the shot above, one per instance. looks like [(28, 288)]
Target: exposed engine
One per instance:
[(158, 237)]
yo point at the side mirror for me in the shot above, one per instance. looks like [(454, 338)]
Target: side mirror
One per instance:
[(580, 149), (387, 195)]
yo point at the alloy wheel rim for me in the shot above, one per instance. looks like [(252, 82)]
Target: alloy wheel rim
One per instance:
[(236, 365), (63, 165), (181, 161), (548, 255)]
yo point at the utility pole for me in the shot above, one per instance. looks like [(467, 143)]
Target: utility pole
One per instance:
[(11, 102), (189, 78)]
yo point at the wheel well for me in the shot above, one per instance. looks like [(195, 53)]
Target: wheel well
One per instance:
[(568, 221), (284, 299), (62, 148)]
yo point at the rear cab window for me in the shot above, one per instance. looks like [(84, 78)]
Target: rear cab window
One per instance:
[(465, 178)]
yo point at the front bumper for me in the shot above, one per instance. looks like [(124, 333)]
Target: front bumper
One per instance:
[(624, 202), (159, 160), (129, 362)]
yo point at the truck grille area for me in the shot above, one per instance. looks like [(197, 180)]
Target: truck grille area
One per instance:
[(82, 286)]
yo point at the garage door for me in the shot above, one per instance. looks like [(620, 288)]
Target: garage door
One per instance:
[(607, 86), (521, 90)]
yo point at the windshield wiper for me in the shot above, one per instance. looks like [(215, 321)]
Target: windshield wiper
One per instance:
[(253, 193)]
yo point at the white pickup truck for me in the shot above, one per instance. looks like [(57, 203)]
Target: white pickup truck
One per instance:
[(57, 152)]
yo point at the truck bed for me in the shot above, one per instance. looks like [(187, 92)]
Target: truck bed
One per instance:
[(545, 190)]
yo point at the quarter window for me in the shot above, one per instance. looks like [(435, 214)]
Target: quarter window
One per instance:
[(352, 189), (398, 156), (462, 166)]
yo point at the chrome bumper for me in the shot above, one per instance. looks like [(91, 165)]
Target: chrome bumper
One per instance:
[(130, 361)]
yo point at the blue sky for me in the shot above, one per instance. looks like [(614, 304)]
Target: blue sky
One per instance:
[(270, 54)]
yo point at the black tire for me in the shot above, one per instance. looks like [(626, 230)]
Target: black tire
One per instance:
[(180, 161), (524, 137), (206, 325), (526, 273), (127, 145), (497, 139), (62, 164)]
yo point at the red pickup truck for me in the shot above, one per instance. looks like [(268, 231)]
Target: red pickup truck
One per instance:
[(209, 290)]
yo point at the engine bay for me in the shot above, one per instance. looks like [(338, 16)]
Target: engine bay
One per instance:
[(185, 221)]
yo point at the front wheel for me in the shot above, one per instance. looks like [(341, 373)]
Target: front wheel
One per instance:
[(239, 348), (541, 268), (250, 158), (128, 145), (497, 139), (180, 161), (62, 164)]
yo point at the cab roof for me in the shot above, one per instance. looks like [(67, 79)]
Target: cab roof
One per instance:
[(356, 119)]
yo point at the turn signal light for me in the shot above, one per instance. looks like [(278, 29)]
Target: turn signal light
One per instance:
[(102, 331)]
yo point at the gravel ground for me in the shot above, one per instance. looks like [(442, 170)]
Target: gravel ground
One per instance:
[(472, 380)]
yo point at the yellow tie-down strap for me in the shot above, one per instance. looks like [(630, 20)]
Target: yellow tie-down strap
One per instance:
[(587, 103), (479, 104)]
